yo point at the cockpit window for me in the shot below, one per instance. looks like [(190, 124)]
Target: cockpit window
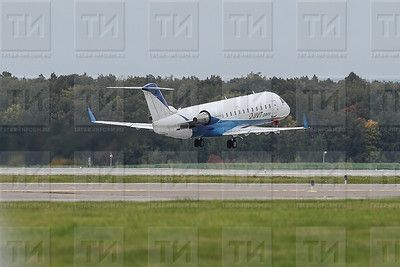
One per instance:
[(283, 102)]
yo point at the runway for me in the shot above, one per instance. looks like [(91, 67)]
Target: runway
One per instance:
[(193, 191), (195, 172)]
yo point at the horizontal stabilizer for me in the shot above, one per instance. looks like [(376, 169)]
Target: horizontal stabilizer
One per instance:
[(141, 88), (146, 126)]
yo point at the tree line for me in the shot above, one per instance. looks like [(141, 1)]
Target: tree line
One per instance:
[(354, 119)]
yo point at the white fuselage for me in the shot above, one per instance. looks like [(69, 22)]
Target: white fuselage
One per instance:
[(255, 109)]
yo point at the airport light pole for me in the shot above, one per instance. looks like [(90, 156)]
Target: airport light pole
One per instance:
[(323, 156), (111, 159)]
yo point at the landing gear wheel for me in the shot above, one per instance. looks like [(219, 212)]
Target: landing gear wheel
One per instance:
[(232, 143), (199, 142), (229, 144)]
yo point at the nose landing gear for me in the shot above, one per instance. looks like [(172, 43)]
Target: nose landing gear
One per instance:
[(231, 143), (199, 142)]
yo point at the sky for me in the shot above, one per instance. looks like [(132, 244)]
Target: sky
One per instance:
[(284, 38)]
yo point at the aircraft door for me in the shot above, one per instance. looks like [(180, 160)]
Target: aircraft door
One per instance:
[(274, 112)]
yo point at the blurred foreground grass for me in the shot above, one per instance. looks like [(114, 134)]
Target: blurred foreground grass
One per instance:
[(133, 224)]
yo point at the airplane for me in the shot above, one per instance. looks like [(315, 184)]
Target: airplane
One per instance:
[(233, 117)]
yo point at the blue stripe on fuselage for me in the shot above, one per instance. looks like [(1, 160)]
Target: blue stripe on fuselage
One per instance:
[(221, 126)]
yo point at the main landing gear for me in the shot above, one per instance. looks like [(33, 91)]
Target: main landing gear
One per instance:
[(199, 142), (231, 143)]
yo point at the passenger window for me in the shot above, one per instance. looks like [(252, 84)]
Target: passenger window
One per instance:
[(256, 108), (266, 107), (244, 111), (227, 115), (269, 105), (248, 111), (260, 107), (230, 113), (235, 113)]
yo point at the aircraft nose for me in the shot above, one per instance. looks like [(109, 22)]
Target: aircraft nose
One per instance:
[(286, 109)]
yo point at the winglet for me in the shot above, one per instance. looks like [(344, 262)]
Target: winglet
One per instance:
[(91, 115), (305, 122)]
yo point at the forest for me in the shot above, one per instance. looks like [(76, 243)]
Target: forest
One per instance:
[(44, 120)]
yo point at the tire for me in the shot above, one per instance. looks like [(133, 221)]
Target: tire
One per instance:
[(234, 144), (229, 144), (201, 142)]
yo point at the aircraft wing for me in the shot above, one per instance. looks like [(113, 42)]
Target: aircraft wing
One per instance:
[(259, 130), (247, 130), (146, 126)]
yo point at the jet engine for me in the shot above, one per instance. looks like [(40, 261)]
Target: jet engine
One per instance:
[(204, 118)]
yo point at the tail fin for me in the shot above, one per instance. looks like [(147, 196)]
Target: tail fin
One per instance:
[(156, 102)]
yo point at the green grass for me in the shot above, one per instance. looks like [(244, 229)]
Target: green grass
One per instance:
[(192, 179), (209, 220)]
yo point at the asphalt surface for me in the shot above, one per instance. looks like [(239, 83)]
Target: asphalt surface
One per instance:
[(193, 191), (194, 172)]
